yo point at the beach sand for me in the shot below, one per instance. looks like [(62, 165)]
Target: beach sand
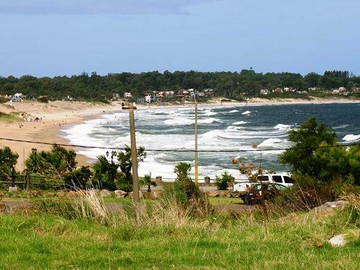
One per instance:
[(55, 115)]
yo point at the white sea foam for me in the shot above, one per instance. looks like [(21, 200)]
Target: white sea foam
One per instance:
[(209, 113), (234, 111), (351, 138), (282, 127), (271, 143), (182, 121), (239, 123), (246, 113)]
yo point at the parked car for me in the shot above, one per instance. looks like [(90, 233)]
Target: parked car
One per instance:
[(261, 192), (280, 178)]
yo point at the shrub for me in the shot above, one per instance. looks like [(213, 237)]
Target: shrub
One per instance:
[(43, 99), (8, 160), (78, 178), (224, 181), (185, 193)]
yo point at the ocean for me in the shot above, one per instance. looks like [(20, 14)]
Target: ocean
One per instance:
[(220, 128)]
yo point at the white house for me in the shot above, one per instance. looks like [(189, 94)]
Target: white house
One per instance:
[(127, 95)]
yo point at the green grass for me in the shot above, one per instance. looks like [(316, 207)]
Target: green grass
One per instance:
[(10, 117), (46, 242), (224, 200)]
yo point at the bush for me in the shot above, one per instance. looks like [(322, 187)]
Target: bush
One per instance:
[(185, 193), (78, 179), (223, 182), (43, 99)]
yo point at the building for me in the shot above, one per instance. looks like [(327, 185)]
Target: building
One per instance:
[(127, 95), (18, 97), (264, 92)]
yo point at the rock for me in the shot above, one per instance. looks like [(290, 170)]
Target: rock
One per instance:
[(2, 207), (213, 194), (140, 194), (13, 189), (149, 195), (105, 193), (338, 241), (120, 193), (331, 205)]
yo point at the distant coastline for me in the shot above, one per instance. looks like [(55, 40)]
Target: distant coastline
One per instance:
[(57, 114)]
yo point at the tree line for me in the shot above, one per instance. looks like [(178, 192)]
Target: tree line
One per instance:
[(226, 84)]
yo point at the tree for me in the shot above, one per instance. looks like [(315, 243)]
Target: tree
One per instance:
[(306, 141), (8, 160), (316, 153), (107, 174), (223, 182), (146, 181), (55, 163), (78, 178)]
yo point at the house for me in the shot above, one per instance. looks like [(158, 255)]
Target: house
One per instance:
[(264, 92), (18, 97), (148, 99), (127, 95), (278, 91)]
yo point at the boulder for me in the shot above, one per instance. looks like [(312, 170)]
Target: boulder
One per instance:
[(213, 194), (120, 193), (338, 241), (2, 207), (13, 189), (105, 193), (331, 205), (149, 195), (141, 195)]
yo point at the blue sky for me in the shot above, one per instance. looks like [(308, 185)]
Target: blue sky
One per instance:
[(51, 37)]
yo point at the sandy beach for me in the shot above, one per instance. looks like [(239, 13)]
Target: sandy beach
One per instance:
[(55, 115)]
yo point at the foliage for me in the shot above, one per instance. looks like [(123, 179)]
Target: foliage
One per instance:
[(8, 160), (229, 84), (43, 99), (185, 193), (78, 179), (56, 163), (147, 181), (306, 141), (107, 174), (224, 181), (316, 158), (10, 117)]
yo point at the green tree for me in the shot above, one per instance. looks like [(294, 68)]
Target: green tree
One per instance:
[(55, 163), (116, 173), (78, 178), (306, 141), (224, 181), (8, 160), (147, 181)]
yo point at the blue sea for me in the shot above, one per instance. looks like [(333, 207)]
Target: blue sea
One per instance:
[(220, 128)]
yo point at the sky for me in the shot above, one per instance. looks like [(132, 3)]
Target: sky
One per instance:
[(56, 38)]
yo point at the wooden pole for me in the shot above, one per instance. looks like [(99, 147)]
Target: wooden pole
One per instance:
[(134, 161), (196, 142)]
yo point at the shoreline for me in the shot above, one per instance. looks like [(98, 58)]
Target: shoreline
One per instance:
[(57, 115)]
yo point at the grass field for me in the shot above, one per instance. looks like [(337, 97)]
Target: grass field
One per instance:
[(299, 241), (9, 118)]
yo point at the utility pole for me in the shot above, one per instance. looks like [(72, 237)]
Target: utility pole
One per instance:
[(196, 142), (134, 162)]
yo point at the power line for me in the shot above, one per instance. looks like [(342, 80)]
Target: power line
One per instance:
[(172, 150)]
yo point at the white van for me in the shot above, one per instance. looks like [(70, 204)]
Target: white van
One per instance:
[(279, 178), (283, 179)]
